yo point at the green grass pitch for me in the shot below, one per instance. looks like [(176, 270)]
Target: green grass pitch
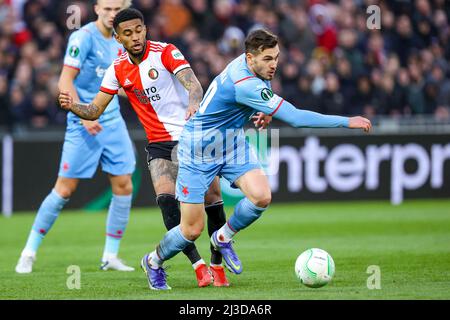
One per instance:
[(410, 244)]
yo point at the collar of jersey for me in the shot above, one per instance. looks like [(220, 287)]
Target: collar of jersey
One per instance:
[(147, 51)]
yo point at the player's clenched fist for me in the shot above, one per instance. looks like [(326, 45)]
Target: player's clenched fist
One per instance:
[(65, 100), (360, 123)]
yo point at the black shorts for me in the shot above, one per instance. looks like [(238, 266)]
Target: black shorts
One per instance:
[(161, 150)]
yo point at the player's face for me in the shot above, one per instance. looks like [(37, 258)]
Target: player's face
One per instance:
[(131, 34), (107, 10), (265, 63)]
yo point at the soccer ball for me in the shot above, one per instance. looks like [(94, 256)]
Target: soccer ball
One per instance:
[(314, 268)]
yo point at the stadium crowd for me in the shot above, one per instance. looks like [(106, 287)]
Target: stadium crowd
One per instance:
[(331, 62)]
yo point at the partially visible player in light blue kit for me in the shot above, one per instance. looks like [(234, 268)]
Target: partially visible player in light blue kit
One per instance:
[(90, 51), (213, 144)]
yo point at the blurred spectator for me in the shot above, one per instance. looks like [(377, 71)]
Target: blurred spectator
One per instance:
[(363, 97), (289, 75), (323, 26), (18, 105), (330, 61), (347, 43), (5, 117), (404, 43), (304, 98), (42, 111), (216, 23), (232, 41), (332, 100), (389, 99), (316, 72), (174, 17)]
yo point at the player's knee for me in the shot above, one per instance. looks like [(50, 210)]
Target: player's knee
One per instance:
[(64, 191), (127, 188), (123, 187), (264, 199), (193, 232)]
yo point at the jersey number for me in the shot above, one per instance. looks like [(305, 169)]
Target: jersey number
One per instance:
[(208, 97)]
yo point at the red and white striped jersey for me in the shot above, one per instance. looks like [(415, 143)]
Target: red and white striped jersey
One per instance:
[(156, 95)]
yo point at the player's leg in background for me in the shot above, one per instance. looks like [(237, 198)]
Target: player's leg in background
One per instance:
[(216, 219), (216, 215), (164, 173), (118, 161), (117, 221), (46, 216)]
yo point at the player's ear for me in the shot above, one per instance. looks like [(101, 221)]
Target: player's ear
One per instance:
[(249, 57), (116, 36), (96, 9)]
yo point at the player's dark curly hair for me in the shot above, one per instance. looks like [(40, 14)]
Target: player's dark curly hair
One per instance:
[(259, 40), (126, 15)]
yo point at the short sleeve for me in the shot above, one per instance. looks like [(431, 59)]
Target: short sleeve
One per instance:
[(110, 84), (254, 93), (173, 60), (78, 47)]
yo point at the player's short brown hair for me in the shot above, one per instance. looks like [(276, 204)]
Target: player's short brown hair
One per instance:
[(259, 40)]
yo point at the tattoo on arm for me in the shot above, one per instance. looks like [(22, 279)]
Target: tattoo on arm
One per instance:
[(191, 83), (86, 111)]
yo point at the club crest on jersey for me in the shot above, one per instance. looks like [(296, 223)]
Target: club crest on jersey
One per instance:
[(74, 51), (266, 94), (153, 74)]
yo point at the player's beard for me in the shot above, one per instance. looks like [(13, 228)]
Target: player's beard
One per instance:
[(140, 54), (259, 71), (268, 76)]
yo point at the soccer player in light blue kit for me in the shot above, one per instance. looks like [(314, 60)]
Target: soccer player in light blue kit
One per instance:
[(90, 51), (242, 89)]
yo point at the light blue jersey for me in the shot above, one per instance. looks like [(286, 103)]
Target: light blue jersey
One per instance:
[(91, 53), (236, 94), (232, 98), (213, 142)]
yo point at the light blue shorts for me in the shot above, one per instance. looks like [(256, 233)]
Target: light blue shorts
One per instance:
[(196, 175), (82, 152)]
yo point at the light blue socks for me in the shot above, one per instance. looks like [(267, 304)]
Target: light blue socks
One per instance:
[(245, 213), (46, 216), (172, 243), (116, 223)]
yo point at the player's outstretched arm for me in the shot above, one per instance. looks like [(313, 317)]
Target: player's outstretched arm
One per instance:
[(254, 93), (309, 119), (191, 83), (87, 111)]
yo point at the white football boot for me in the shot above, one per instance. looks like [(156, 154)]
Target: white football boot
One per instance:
[(114, 263), (25, 264)]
